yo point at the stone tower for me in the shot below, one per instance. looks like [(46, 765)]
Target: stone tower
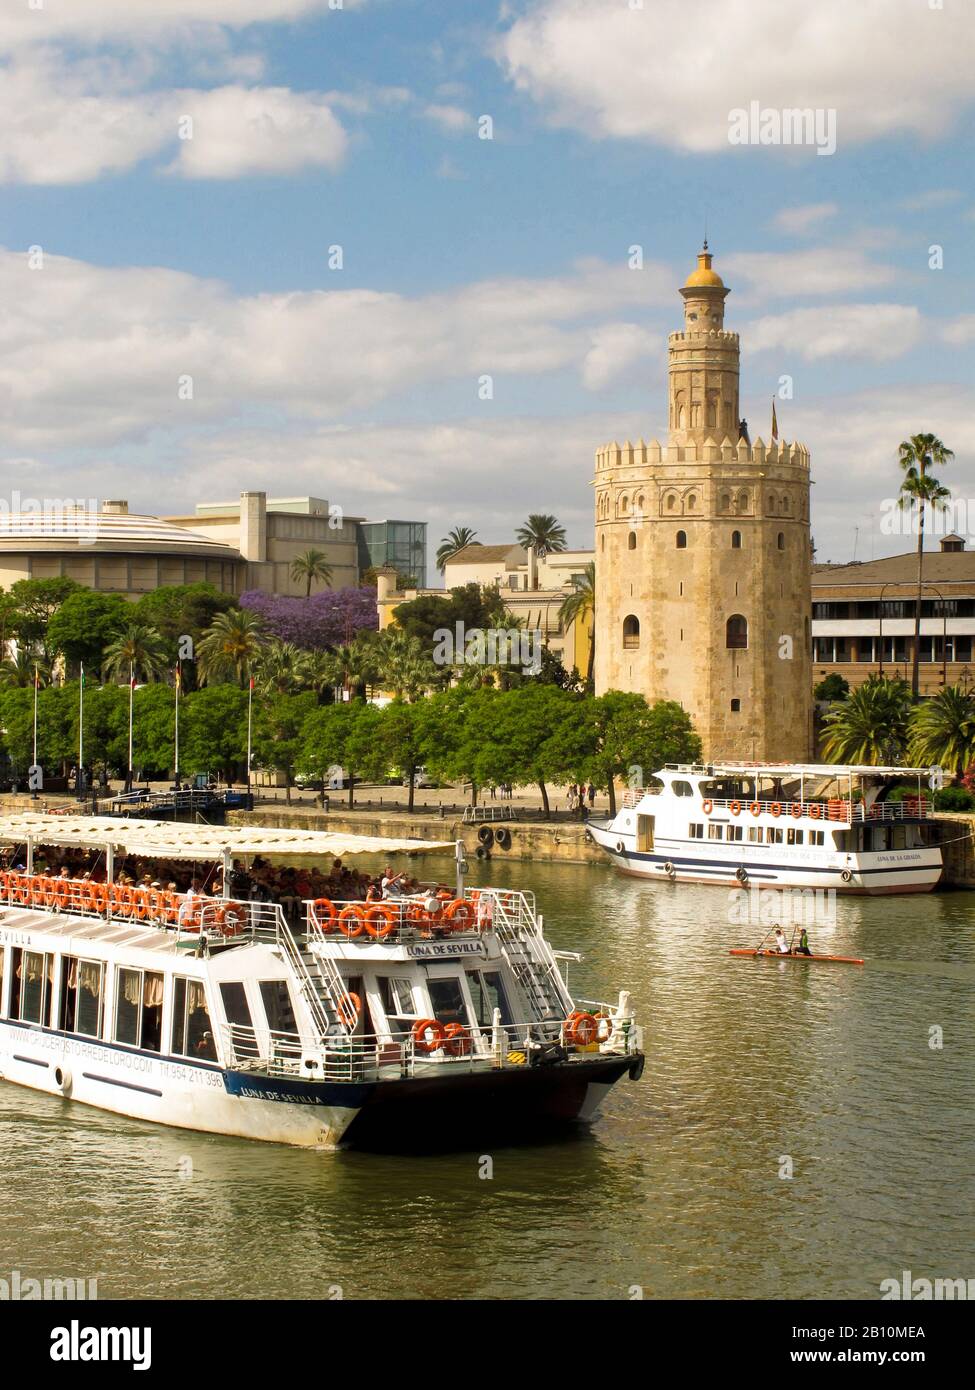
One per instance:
[(703, 556)]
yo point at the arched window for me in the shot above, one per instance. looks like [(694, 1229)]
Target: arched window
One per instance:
[(631, 540), (736, 633), (736, 707), (681, 540), (743, 501), (691, 502), (725, 503), (603, 544), (736, 540), (631, 633), (671, 502), (780, 540)]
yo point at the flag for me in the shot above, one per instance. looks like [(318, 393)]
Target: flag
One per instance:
[(132, 681), (775, 423), (82, 678), (37, 679), (252, 683), (178, 678)]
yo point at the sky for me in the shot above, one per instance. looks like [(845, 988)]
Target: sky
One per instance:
[(382, 251)]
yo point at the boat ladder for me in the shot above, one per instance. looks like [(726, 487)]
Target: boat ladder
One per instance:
[(537, 976)]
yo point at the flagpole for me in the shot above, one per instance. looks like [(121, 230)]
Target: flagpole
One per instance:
[(35, 725), (176, 768), (81, 731), (250, 703), (131, 693)]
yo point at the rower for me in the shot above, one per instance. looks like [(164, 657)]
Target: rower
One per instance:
[(803, 948), (780, 944)]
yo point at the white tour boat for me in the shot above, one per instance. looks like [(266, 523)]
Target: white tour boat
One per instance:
[(784, 825), (403, 1023)]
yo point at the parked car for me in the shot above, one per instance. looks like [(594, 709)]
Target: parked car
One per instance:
[(421, 778)]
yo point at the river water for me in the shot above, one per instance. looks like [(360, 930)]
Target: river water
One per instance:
[(676, 1192)]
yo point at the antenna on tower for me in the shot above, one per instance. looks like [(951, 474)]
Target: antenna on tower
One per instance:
[(705, 231)]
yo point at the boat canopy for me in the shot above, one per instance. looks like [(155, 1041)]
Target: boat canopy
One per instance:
[(803, 770), (155, 839)]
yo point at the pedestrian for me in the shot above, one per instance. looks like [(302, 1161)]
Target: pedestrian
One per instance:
[(591, 796)]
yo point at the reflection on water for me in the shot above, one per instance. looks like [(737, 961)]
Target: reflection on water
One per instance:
[(676, 1189)]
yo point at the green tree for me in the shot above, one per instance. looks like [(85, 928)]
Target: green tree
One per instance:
[(228, 648), (213, 730), (278, 733), (401, 741), (54, 728), (632, 740), (451, 725), (281, 668), (534, 734), (177, 611), (832, 687), (20, 669), (871, 725), (917, 456), (580, 604), (336, 738), (942, 731), (311, 567), (543, 534), (84, 625), (468, 604), (154, 728), (35, 603), (452, 544), (137, 650), (402, 665)]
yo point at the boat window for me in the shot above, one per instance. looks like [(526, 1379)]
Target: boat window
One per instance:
[(773, 835), (794, 837), (447, 1000), (734, 832), (192, 1031), (695, 832), (817, 837), (754, 834), (235, 1004), (682, 788), (80, 1007), (396, 994), (138, 1009), (3, 975), (715, 832), (278, 1007), (487, 994), (34, 985)]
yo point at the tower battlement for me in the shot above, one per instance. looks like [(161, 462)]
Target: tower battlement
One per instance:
[(643, 455), (718, 334)]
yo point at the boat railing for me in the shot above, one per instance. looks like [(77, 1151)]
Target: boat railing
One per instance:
[(634, 795), (839, 809), (414, 917), (342, 1056)]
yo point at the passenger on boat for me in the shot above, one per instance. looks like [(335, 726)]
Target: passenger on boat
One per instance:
[(191, 904), (392, 884), (373, 894), (780, 943)]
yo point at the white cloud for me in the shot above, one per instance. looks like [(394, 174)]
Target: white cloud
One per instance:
[(800, 221), (671, 73), (960, 330), (618, 348), (826, 270), (875, 331), (64, 125), (96, 21), (933, 198), (450, 119)]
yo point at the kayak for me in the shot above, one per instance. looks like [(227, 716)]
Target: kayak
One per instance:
[(796, 955)]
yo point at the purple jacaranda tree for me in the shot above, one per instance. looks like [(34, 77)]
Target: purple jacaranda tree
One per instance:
[(330, 618)]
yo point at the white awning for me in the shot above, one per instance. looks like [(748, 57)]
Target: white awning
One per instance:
[(156, 839)]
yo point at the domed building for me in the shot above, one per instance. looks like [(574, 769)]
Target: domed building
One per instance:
[(113, 550)]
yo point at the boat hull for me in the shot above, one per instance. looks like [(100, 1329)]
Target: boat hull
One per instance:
[(874, 874), (396, 1114), (799, 955)]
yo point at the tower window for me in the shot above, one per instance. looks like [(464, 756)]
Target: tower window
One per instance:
[(780, 540), (736, 707), (736, 633), (725, 501), (681, 540), (631, 633), (736, 540), (691, 502), (631, 540)]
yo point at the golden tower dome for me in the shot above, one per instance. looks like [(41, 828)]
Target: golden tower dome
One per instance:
[(704, 275)]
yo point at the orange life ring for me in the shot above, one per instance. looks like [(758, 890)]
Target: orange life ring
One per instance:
[(380, 920), (815, 810), (735, 808), (126, 901), (348, 1007), (707, 806), (416, 914), (89, 898), (776, 808), (230, 919), (99, 896), (324, 910), (457, 1040), (421, 1028), (115, 896), (22, 889), (756, 808), (460, 915), (60, 891), (170, 907), (140, 904), (797, 809), (348, 916), (581, 1029)]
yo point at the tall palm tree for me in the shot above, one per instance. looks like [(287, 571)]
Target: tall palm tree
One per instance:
[(870, 725), (229, 646), (402, 664), (280, 668), (942, 731), (354, 667), (580, 603), (311, 566), (18, 670), (541, 533), (458, 539), (917, 456), (139, 650)]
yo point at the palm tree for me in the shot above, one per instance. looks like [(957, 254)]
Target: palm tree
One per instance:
[(311, 566), (354, 667), (541, 533), (138, 650), (458, 539), (229, 646), (942, 731), (402, 664), (18, 670), (579, 604), (280, 668), (870, 725), (920, 488)]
